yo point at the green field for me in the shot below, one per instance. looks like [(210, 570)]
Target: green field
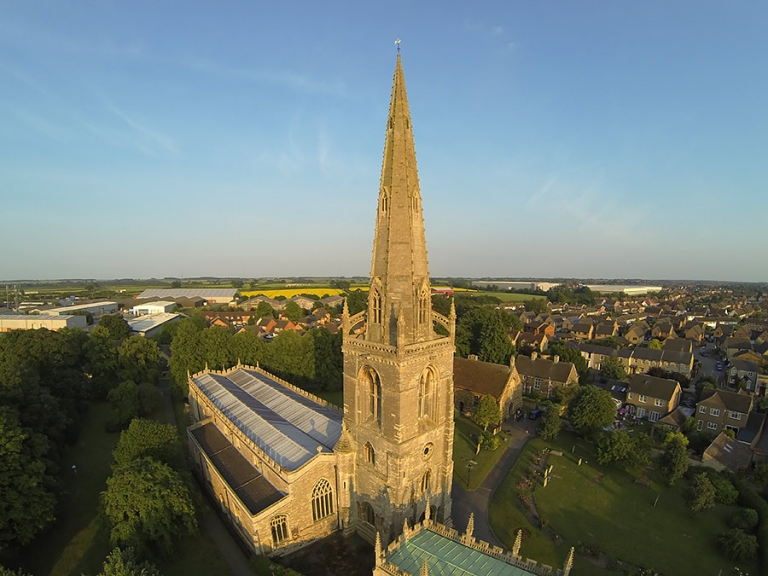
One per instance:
[(604, 508), (512, 296)]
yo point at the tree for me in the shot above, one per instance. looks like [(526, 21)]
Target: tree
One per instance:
[(674, 461), (745, 519), (147, 438), (187, 353), (737, 545), (126, 404), (550, 424), (591, 410), (357, 301), (139, 360), (176, 284), (27, 505), (494, 343), (118, 328), (263, 309), (568, 354), (293, 311), (101, 362), (487, 412), (615, 446), (237, 284), (654, 344), (701, 493), (124, 563), (148, 506), (537, 305), (612, 369)]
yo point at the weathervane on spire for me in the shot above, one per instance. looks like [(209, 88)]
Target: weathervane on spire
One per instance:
[(398, 45)]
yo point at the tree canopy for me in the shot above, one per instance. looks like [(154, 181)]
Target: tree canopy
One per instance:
[(487, 412), (613, 369), (485, 331), (118, 328), (148, 438), (674, 461), (701, 493), (148, 506), (293, 311), (124, 563), (591, 409)]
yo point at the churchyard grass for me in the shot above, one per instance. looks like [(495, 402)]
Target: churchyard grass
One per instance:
[(335, 397), (604, 508), (465, 434), (78, 542)]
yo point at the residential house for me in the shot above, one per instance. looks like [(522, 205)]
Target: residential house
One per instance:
[(663, 329), (743, 371), (303, 302), (595, 354), (254, 302), (635, 334), (694, 332), (543, 375), (651, 397), (720, 410), (540, 327), (606, 329), (537, 342), (726, 453), (677, 345), (734, 346), (236, 317), (583, 330), (473, 379)]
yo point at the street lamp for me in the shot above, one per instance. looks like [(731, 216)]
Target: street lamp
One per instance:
[(471, 464)]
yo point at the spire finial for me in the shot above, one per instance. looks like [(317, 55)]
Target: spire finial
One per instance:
[(427, 512), (518, 543), (379, 554), (424, 568), (397, 43), (470, 525)]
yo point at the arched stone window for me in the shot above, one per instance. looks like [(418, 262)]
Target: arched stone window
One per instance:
[(375, 306), (427, 387), (370, 386), (370, 455), (367, 514), (279, 526), (384, 203), (322, 500), (426, 481), (423, 306)]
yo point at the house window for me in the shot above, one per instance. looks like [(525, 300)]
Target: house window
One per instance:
[(279, 526), (714, 411), (712, 425), (735, 415), (643, 398), (654, 416), (322, 500), (640, 413), (703, 409), (659, 402), (426, 481), (537, 383), (629, 395), (370, 455), (699, 425)]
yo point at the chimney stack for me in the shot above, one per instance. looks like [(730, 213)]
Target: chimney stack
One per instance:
[(534, 355)]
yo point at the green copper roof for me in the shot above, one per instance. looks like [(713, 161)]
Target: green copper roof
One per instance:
[(449, 558)]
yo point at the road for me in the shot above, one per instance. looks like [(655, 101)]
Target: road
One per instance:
[(709, 363)]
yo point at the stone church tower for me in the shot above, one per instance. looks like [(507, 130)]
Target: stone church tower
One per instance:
[(398, 371)]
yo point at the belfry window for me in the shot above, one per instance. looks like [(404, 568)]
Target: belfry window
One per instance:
[(322, 500), (370, 455), (426, 481), (370, 386), (427, 393)]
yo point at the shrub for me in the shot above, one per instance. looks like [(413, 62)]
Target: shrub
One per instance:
[(745, 519), (701, 493), (737, 544)]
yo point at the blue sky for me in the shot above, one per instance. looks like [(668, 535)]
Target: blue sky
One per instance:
[(554, 139)]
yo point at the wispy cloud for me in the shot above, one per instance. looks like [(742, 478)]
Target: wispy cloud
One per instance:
[(493, 35), (280, 78), (151, 136)]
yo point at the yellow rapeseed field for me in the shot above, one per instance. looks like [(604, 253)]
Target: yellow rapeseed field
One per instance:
[(289, 292)]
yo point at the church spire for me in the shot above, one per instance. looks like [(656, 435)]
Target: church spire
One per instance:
[(399, 272)]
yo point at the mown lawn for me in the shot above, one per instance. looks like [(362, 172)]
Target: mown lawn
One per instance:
[(465, 434), (78, 542), (512, 296), (604, 507)]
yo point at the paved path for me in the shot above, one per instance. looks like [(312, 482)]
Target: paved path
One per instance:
[(477, 501), (229, 549)]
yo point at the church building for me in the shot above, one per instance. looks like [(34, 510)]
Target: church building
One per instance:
[(288, 468)]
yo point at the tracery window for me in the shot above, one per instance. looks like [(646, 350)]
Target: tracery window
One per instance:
[(322, 500), (427, 387), (371, 388), (279, 526), (423, 306), (367, 514)]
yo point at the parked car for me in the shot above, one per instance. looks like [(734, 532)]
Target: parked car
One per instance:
[(720, 366), (534, 414)]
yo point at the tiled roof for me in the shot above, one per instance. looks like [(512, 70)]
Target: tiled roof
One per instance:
[(652, 386), (731, 400), (543, 368), (481, 377)]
